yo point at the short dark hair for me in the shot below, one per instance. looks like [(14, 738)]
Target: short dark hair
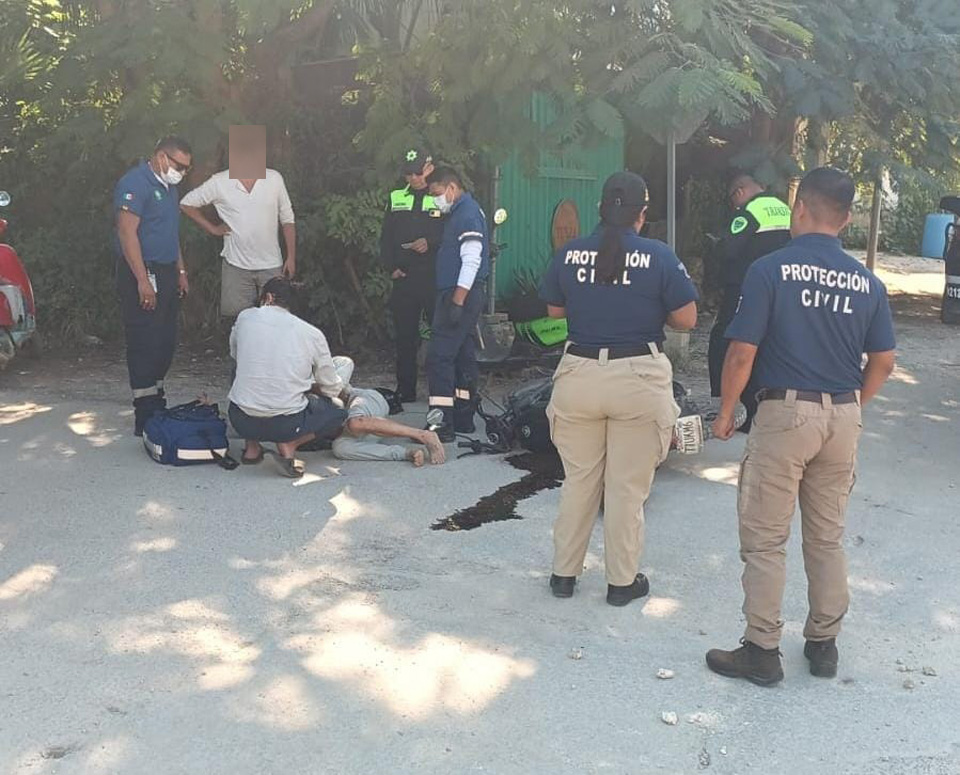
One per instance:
[(173, 143), (282, 289), (741, 179), (828, 193), (445, 176)]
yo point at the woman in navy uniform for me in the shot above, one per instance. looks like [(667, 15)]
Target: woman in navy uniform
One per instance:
[(612, 413)]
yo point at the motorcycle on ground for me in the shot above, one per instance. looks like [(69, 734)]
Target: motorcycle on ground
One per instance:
[(18, 322)]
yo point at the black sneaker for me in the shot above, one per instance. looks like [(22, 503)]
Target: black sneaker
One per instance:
[(562, 586), (757, 665), (446, 433), (620, 596), (823, 657), (465, 425)]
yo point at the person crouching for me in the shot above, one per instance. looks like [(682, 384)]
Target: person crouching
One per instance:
[(286, 380)]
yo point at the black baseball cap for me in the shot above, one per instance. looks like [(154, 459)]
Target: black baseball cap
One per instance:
[(624, 194), (414, 160)]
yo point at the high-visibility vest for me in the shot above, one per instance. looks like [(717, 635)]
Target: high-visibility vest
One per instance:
[(402, 200), (771, 214)]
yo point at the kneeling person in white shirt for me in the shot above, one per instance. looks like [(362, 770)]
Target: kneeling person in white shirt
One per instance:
[(286, 382), (251, 211)]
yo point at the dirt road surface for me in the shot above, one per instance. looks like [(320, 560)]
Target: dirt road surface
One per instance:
[(198, 622)]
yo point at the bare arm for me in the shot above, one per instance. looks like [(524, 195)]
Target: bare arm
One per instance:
[(878, 369), (290, 241), (737, 368), (556, 312), (388, 429), (380, 426), (683, 319), (127, 224), (196, 215), (327, 380)]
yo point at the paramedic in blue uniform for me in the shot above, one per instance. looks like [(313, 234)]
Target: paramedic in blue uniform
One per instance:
[(612, 414), (463, 265), (151, 276), (808, 313)]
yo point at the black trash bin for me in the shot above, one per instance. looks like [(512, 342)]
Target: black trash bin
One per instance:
[(950, 310)]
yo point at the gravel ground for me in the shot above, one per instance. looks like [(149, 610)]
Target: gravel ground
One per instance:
[(192, 621)]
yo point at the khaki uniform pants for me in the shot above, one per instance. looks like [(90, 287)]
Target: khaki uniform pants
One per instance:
[(796, 448), (612, 422), (240, 289)]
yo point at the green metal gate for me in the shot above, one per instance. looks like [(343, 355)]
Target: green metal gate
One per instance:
[(576, 174)]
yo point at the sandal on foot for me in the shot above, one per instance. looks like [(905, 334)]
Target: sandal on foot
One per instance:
[(252, 461), (289, 467)]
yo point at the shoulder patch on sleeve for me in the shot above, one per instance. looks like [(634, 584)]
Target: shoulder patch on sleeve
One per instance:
[(739, 225)]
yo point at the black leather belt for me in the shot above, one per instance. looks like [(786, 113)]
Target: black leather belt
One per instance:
[(613, 353), (807, 395)]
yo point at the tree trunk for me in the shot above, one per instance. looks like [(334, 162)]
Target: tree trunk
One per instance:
[(874, 240)]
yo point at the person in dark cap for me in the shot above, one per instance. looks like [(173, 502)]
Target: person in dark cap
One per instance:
[(612, 413), (760, 225), (286, 381), (409, 240)]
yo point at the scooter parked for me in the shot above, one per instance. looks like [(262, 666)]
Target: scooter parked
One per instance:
[(18, 321)]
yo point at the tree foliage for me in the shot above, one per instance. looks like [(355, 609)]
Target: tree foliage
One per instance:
[(86, 86)]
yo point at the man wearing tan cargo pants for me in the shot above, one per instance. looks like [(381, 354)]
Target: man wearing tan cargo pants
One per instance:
[(807, 315)]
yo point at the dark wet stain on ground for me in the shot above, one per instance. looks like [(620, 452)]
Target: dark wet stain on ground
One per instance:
[(545, 472)]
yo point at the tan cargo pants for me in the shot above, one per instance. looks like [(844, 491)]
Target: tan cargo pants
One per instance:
[(796, 448), (612, 422)]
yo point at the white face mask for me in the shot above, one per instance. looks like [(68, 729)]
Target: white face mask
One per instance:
[(171, 176), (442, 203)]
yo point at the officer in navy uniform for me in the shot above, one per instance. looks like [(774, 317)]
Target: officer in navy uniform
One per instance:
[(463, 265), (807, 315), (409, 241), (760, 225), (151, 276), (612, 413)]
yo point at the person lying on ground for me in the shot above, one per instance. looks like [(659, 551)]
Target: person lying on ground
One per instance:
[(368, 424), (286, 383)]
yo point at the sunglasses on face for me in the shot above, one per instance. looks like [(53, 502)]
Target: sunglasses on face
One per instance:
[(177, 165)]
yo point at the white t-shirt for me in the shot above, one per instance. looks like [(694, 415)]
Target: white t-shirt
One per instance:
[(252, 217), (279, 358)]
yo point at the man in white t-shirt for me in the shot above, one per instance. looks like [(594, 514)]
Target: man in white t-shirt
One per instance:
[(250, 210)]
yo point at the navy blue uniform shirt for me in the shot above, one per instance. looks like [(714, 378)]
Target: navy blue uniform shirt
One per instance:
[(813, 310), (630, 312), (465, 223), (140, 192)]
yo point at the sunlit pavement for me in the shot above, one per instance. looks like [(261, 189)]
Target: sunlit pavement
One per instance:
[(161, 620)]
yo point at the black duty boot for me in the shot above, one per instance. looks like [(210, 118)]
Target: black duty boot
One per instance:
[(823, 656), (444, 430), (562, 586), (757, 665), (464, 411), (143, 409), (620, 596)]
